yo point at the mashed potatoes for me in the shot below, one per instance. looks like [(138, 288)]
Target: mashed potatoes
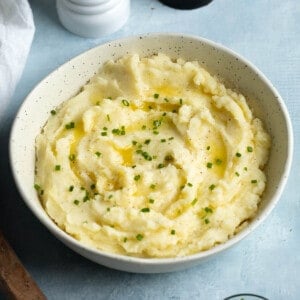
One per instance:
[(153, 158)]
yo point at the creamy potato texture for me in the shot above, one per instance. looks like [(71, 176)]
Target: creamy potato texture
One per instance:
[(153, 158)]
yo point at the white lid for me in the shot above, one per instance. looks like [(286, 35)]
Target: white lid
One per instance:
[(93, 18)]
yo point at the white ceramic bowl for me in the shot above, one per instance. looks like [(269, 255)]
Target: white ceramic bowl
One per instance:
[(66, 82)]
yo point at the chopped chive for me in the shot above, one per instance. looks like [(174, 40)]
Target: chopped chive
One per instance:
[(108, 118), (208, 147), (125, 102), (156, 96), (70, 125), (98, 103), (249, 149), (212, 187), (76, 202), (57, 168), (245, 169), (173, 231), (194, 201), (93, 186), (110, 98), (133, 166), (206, 221), (82, 188), (164, 114), (169, 158), (208, 210), (218, 161), (155, 132), (98, 154), (150, 107), (209, 165), (166, 99), (42, 192), (71, 188), (253, 181), (151, 200), (160, 166), (174, 111), (37, 187), (147, 142), (139, 237), (125, 239), (104, 128), (104, 133), (145, 209), (146, 155), (156, 123), (163, 140), (171, 138), (182, 187), (110, 196), (144, 127), (108, 209), (237, 174), (180, 101), (137, 177), (189, 184), (238, 154), (152, 186), (134, 143), (53, 112), (72, 157)]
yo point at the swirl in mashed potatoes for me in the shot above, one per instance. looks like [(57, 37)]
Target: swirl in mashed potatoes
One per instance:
[(153, 158)]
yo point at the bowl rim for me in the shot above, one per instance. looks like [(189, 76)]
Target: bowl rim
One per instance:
[(63, 236)]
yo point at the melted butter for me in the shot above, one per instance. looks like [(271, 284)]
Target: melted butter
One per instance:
[(216, 152), (126, 154), (168, 91), (78, 133)]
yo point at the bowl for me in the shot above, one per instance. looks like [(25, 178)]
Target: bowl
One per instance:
[(66, 81)]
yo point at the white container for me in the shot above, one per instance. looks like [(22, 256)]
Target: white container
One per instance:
[(93, 18)]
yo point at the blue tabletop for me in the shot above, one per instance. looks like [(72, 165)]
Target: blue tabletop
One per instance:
[(268, 261)]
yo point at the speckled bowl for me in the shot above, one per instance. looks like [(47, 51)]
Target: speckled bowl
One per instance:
[(66, 82)]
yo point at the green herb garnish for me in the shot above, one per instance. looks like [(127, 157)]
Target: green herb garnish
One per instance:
[(137, 177), (151, 200), (212, 187), (139, 237), (147, 142), (145, 209), (160, 166), (249, 149), (71, 125), (71, 188), (125, 102), (57, 168), (156, 96), (194, 201), (238, 154), (218, 161), (98, 154), (253, 181), (209, 165), (173, 231), (76, 202), (53, 112)]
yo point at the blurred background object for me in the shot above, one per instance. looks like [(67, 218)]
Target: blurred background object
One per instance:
[(93, 18), (186, 4)]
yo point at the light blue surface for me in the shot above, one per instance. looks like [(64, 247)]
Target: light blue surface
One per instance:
[(268, 261)]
